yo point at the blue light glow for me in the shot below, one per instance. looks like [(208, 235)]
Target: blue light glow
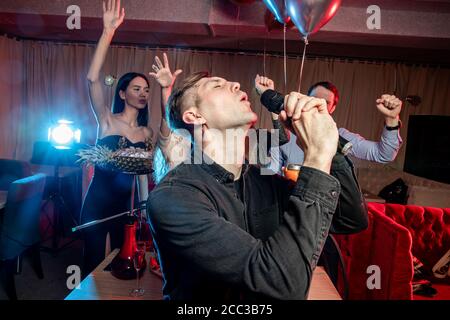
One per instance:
[(63, 135)]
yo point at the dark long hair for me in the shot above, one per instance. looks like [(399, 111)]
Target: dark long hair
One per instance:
[(119, 104)]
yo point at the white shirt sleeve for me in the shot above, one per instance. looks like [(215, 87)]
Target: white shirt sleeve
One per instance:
[(382, 151)]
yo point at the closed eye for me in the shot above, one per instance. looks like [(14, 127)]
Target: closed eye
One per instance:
[(217, 83)]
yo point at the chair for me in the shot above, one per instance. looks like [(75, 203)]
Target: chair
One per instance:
[(19, 228), (12, 170), (384, 244)]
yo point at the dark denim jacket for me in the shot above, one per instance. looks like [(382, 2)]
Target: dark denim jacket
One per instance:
[(216, 243)]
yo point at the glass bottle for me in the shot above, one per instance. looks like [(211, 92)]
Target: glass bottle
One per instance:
[(122, 265)]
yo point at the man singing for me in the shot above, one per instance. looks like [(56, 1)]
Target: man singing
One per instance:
[(224, 231)]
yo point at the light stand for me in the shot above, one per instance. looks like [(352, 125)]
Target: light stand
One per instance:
[(45, 154)]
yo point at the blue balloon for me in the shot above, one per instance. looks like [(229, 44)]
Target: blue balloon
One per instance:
[(278, 9)]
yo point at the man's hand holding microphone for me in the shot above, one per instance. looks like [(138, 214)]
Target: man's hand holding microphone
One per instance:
[(275, 103), (316, 131), (308, 118)]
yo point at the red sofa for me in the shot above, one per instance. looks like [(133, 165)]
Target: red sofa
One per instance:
[(395, 233), (430, 231)]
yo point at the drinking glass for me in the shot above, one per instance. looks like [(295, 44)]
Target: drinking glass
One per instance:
[(138, 260)]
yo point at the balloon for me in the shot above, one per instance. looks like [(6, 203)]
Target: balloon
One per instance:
[(239, 2), (278, 9), (109, 80), (273, 24), (311, 15)]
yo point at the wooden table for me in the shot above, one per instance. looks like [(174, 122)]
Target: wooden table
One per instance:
[(102, 285), (3, 197), (370, 197), (322, 287)]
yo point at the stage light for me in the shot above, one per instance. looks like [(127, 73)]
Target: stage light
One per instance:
[(64, 134)]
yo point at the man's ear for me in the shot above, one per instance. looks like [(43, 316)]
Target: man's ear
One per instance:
[(191, 116), (122, 94), (332, 109)]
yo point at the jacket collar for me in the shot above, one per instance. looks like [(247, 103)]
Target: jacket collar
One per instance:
[(217, 171)]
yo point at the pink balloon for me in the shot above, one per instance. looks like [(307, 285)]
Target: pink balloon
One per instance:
[(273, 24), (309, 16)]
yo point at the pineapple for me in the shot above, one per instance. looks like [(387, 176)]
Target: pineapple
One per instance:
[(127, 160), (97, 155)]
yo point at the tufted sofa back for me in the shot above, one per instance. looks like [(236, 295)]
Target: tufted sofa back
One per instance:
[(429, 228), (384, 244)]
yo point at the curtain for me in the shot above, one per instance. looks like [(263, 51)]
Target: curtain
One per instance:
[(42, 82), (11, 88)]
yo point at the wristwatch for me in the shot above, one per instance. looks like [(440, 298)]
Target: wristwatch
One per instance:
[(398, 126)]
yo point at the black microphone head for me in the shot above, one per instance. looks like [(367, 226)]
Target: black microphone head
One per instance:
[(273, 101), (414, 100)]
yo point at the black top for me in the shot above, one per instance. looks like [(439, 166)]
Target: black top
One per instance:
[(109, 194), (259, 237)]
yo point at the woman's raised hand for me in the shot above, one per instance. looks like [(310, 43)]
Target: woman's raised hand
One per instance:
[(162, 73), (112, 15)]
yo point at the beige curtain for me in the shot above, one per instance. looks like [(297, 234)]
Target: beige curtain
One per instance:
[(11, 88), (41, 82)]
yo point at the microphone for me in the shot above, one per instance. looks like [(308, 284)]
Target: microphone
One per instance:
[(414, 100), (274, 102)]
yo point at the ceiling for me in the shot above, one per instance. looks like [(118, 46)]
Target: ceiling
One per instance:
[(411, 30)]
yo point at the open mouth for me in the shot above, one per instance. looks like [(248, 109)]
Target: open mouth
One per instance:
[(143, 101)]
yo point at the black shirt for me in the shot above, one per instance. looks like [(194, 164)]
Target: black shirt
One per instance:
[(258, 238)]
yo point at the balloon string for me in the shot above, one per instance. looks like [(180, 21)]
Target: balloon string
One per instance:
[(236, 25), (285, 58), (395, 80), (303, 62), (264, 58)]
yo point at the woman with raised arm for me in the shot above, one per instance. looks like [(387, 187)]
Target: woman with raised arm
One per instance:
[(122, 126)]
